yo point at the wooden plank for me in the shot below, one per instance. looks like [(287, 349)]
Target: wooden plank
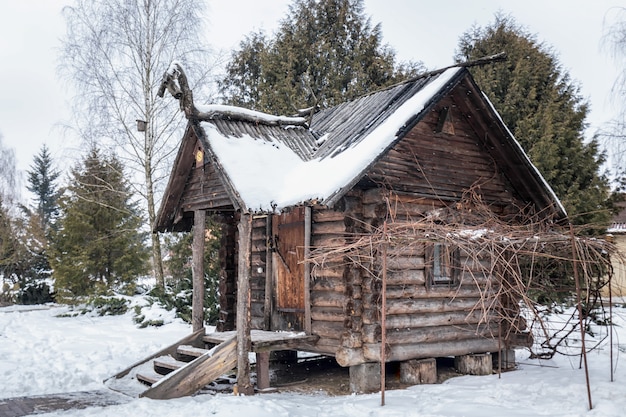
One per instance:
[(267, 340), (148, 377), (167, 364), (192, 339), (192, 351), (286, 344), (198, 373)]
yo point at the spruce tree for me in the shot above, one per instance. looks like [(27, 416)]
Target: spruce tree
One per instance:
[(546, 113), (42, 183), (98, 246), (325, 52)]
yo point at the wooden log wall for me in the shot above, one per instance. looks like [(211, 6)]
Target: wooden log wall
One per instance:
[(258, 273), (328, 286), (421, 321)]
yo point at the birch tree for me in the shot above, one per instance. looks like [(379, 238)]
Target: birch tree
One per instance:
[(614, 132), (114, 53), (8, 174)]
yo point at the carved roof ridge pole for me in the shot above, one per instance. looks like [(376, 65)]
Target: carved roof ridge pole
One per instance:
[(175, 81)]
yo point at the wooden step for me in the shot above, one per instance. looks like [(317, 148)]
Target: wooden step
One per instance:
[(198, 373), (148, 376), (166, 364), (190, 351)]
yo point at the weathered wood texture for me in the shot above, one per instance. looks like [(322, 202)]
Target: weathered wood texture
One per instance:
[(288, 268), (258, 273), (203, 188), (475, 364), (426, 163), (422, 371), (244, 343), (266, 341), (192, 339), (195, 375), (197, 270)]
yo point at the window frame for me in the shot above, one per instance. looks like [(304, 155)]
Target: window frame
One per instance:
[(442, 265)]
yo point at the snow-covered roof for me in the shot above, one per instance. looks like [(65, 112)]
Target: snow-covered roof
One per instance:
[(263, 163), (269, 175), (617, 228)]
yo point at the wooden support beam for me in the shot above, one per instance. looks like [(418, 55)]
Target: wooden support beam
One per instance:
[(307, 270), (197, 270), (418, 371), (263, 370), (474, 364), (269, 278), (244, 343)]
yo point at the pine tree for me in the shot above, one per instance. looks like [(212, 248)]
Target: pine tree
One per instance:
[(42, 183), (546, 113), (324, 53), (98, 245)]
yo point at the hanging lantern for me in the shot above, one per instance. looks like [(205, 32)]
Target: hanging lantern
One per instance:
[(199, 156)]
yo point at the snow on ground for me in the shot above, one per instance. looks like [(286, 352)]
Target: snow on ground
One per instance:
[(43, 351)]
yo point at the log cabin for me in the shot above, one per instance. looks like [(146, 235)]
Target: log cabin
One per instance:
[(284, 188)]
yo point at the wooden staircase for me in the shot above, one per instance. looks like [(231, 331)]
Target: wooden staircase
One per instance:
[(179, 370), (187, 366)]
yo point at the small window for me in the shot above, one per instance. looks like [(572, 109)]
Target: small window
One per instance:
[(442, 265)]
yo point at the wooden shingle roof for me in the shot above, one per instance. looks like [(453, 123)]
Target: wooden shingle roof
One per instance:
[(268, 163)]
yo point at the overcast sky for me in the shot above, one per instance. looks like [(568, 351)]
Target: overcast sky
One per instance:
[(33, 101)]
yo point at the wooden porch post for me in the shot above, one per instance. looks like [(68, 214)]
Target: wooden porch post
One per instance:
[(307, 270), (244, 343), (197, 270)]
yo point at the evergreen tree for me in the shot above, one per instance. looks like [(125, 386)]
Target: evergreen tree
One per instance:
[(98, 245), (41, 182), (324, 53), (10, 268), (179, 290), (546, 113)]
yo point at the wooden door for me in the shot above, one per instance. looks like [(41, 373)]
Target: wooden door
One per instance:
[(288, 254)]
